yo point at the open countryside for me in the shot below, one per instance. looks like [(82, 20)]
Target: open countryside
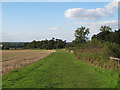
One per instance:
[(60, 45), (61, 70), (64, 65)]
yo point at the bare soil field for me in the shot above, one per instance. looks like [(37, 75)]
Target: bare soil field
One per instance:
[(13, 59)]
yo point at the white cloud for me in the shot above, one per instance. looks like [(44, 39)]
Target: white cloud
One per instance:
[(112, 23), (95, 26), (54, 28), (92, 14)]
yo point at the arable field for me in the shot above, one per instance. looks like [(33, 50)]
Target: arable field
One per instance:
[(13, 59), (61, 69)]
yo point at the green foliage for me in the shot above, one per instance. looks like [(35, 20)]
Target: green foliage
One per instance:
[(100, 55), (15, 45), (60, 70), (108, 35), (108, 40), (81, 35), (46, 44), (98, 50), (114, 50), (105, 28), (94, 44)]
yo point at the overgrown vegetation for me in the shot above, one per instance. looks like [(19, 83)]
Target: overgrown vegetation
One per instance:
[(107, 40), (112, 49), (107, 34), (99, 50)]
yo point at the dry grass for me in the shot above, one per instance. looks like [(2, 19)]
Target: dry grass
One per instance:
[(13, 59)]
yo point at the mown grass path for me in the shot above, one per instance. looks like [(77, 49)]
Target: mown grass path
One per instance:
[(60, 70)]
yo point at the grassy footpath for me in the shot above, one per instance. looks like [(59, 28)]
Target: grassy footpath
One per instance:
[(60, 70)]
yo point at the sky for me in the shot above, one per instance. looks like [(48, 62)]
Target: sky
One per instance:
[(28, 21), (56, 0)]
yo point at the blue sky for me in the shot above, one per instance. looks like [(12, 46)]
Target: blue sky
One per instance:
[(27, 21)]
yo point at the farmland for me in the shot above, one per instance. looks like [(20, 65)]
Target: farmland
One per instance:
[(61, 69), (13, 59), (60, 44)]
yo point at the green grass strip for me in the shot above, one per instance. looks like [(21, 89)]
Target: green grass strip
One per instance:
[(60, 70)]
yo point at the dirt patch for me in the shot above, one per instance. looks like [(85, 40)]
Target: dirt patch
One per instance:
[(13, 59)]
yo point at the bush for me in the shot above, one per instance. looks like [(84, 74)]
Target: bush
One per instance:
[(94, 44), (114, 50), (98, 50)]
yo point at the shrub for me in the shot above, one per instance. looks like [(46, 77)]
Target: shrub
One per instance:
[(114, 50)]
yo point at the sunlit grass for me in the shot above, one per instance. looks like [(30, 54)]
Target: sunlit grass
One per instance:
[(60, 70)]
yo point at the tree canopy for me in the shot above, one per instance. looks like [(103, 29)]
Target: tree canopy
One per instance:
[(107, 34), (81, 35), (46, 44), (105, 28)]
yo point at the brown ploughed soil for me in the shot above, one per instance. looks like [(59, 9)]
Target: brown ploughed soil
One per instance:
[(13, 59)]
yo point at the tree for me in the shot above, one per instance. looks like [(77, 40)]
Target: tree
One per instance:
[(50, 44), (105, 28), (81, 35), (108, 35), (33, 44), (94, 36), (104, 34), (60, 44), (46, 44)]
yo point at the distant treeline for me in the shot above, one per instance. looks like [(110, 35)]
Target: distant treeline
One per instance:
[(81, 37), (46, 44), (12, 45)]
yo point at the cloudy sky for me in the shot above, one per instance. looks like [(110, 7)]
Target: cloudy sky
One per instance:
[(27, 21)]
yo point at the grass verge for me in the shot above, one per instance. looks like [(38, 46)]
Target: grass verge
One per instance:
[(60, 70)]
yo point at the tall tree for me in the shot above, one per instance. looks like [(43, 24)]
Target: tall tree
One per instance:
[(81, 34)]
